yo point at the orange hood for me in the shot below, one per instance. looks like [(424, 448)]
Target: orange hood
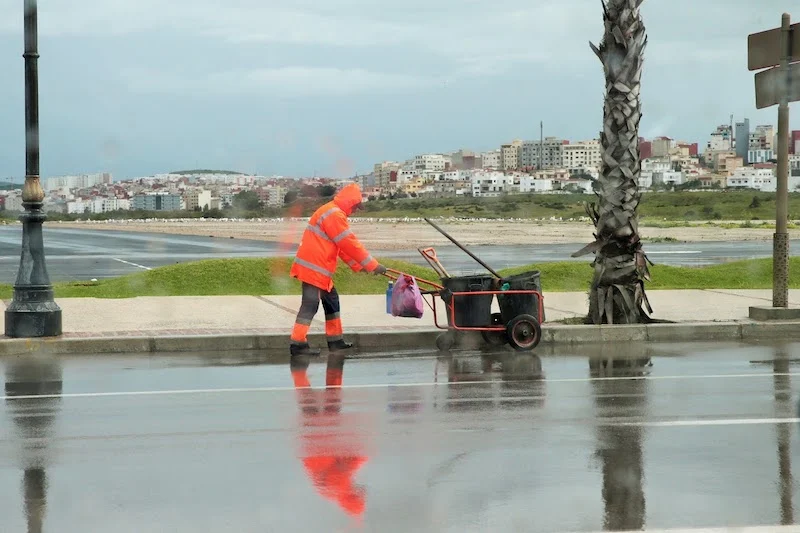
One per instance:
[(348, 198)]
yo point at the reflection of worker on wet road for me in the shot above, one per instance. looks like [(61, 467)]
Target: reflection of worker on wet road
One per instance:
[(330, 456)]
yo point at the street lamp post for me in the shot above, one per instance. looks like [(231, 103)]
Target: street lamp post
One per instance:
[(33, 312)]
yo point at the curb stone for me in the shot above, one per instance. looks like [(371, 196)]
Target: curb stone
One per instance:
[(398, 341)]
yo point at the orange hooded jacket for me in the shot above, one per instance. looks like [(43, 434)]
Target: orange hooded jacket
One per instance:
[(329, 237)]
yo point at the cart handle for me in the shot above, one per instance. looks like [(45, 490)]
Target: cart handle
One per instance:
[(395, 274)]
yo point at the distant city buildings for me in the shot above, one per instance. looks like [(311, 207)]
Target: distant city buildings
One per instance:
[(83, 181), (734, 156), (157, 202)]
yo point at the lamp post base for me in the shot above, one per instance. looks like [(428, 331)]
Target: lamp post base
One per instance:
[(33, 313)]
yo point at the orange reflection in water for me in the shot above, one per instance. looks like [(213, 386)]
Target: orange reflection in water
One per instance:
[(330, 455)]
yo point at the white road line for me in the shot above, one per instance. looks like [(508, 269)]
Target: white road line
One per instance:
[(132, 264), (751, 529), (709, 422), (377, 386), (674, 252)]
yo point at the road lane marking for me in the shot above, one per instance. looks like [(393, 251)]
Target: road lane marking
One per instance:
[(747, 529), (707, 422), (132, 264), (674, 252), (176, 392)]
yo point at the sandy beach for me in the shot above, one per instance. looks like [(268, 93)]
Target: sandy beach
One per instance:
[(395, 235)]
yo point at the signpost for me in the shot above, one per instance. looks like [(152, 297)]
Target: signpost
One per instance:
[(776, 50), (764, 49), (771, 84)]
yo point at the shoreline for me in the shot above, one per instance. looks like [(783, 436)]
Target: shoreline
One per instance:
[(379, 234)]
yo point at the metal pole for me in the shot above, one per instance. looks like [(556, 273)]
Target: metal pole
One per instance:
[(461, 246), (780, 272), (33, 311)]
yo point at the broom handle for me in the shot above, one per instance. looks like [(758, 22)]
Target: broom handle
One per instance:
[(443, 232)]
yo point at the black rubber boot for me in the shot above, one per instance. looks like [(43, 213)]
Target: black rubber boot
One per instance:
[(303, 349), (339, 345)]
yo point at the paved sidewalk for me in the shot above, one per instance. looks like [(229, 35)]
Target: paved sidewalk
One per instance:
[(274, 315)]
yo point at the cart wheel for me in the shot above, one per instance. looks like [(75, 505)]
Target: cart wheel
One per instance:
[(495, 338), (445, 341), (524, 333)]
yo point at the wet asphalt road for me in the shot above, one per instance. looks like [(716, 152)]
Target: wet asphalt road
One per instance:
[(74, 254), (662, 437)]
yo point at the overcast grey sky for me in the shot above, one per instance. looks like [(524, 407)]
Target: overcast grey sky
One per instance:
[(330, 87)]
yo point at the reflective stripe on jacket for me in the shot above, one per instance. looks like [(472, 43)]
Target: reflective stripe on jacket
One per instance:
[(327, 238)]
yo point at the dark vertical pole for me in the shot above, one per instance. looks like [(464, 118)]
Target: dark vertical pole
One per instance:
[(780, 270), (541, 145), (31, 56), (33, 312)]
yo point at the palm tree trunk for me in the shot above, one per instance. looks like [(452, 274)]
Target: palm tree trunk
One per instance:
[(617, 294)]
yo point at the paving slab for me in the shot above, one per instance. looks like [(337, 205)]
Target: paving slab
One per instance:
[(96, 315)]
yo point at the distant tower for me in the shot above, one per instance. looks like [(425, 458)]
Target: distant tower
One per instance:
[(730, 139), (541, 144)]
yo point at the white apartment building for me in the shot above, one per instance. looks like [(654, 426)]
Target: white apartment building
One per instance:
[(383, 172), (452, 187), (530, 184), (653, 170), (197, 199), (454, 175), (404, 176), (434, 162), (510, 155), (670, 177), (720, 140), (656, 165), (271, 196), (551, 149), (104, 205), (14, 201), (488, 184), (491, 159), (762, 179), (77, 207), (661, 146), (82, 181), (582, 156), (762, 139), (553, 174), (760, 156), (277, 194), (97, 205)]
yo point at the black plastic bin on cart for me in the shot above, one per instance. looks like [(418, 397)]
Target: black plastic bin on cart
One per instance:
[(513, 305), (471, 311)]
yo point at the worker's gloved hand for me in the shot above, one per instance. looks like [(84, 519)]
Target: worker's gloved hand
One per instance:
[(380, 270)]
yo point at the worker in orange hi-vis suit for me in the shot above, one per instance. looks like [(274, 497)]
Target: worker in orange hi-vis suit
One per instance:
[(327, 238), (330, 458)]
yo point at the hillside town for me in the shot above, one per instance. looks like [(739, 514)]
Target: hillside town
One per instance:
[(734, 157)]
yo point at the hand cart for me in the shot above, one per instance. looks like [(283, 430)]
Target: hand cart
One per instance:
[(516, 325)]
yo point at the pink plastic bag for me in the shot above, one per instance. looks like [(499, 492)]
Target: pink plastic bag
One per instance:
[(406, 298)]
